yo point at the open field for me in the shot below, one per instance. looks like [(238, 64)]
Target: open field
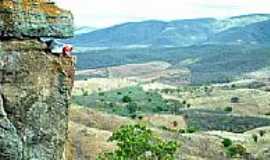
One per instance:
[(145, 72), (200, 117), (89, 131)]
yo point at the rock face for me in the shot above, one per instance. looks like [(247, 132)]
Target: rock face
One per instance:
[(35, 85), (34, 18)]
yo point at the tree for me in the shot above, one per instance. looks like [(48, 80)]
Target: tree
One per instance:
[(132, 107), (228, 109), (136, 142), (255, 138), (126, 99), (234, 99), (227, 142)]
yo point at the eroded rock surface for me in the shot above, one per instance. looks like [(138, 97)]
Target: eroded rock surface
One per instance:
[(35, 88), (34, 18)]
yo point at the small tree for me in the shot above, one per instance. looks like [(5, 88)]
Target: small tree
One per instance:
[(255, 138), (192, 129), (228, 109), (227, 142), (234, 99), (136, 142), (262, 133), (132, 107), (126, 99), (235, 150)]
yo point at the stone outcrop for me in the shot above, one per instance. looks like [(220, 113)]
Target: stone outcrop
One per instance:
[(34, 18), (35, 85)]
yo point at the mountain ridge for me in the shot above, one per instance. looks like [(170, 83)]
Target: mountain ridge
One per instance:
[(180, 33)]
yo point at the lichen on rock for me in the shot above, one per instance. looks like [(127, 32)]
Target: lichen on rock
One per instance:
[(34, 18), (35, 85)]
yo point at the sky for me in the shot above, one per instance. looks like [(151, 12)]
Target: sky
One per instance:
[(104, 13)]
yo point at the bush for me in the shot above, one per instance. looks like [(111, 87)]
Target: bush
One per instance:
[(140, 117), (132, 107), (237, 149), (262, 133), (192, 129), (119, 93), (101, 94), (255, 138), (228, 109), (227, 142), (175, 123), (184, 102), (138, 142), (234, 100), (126, 99), (85, 93), (182, 131)]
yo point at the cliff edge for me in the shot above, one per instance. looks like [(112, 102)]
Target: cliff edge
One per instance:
[(35, 88)]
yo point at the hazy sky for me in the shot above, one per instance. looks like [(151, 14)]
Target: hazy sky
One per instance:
[(102, 13)]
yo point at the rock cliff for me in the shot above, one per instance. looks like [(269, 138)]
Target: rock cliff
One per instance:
[(34, 18), (35, 85)]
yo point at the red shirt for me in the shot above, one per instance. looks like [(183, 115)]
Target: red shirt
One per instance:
[(67, 49)]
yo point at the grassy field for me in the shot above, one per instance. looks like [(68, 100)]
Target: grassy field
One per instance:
[(207, 63), (120, 100), (200, 117)]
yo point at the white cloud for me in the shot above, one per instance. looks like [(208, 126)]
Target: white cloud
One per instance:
[(100, 13)]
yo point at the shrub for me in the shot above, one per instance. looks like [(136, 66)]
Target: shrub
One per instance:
[(231, 151), (175, 123), (192, 129), (133, 116), (111, 105), (138, 142), (262, 133), (182, 131), (184, 102), (237, 149), (228, 109), (255, 138), (101, 94), (227, 142), (119, 93), (126, 99), (140, 117), (159, 109), (85, 93), (234, 99), (132, 107)]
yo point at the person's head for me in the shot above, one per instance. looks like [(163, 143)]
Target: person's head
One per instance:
[(67, 49)]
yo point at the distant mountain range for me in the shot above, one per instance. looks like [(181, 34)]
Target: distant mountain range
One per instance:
[(83, 30), (179, 33)]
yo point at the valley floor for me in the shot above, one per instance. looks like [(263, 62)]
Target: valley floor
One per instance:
[(199, 117)]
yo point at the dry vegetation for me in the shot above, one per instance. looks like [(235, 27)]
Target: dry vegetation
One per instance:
[(89, 129)]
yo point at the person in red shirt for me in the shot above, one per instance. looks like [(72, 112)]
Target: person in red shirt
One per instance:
[(67, 49)]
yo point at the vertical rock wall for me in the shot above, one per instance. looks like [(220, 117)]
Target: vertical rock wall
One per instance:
[(35, 91)]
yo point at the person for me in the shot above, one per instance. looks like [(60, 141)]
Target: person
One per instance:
[(67, 49)]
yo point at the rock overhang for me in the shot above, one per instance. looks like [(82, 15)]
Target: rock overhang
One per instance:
[(34, 18)]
